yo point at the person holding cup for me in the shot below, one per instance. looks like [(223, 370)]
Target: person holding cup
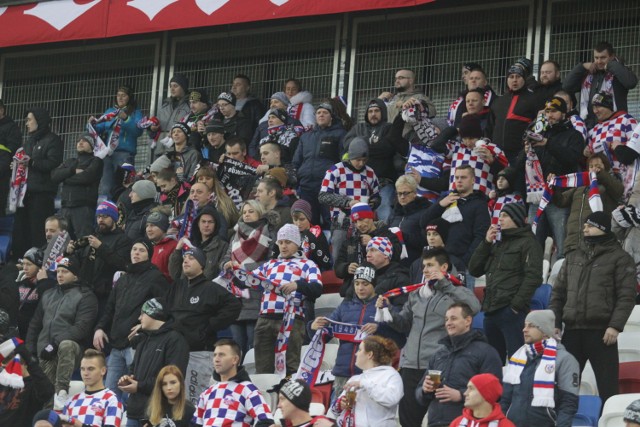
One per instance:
[(464, 353)]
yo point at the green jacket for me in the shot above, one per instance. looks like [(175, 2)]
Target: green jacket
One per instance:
[(513, 269), (596, 287)]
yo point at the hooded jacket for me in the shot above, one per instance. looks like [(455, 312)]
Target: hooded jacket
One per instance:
[(510, 115), (154, 350), (407, 218), (45, 149), (79, 189), (136, 219), (253, 110), (468, 420), (129, 131), (172, 111), (141, 282), (460, 358), (66, 312)]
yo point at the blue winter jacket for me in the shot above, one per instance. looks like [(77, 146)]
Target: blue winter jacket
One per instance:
[(129, 132), (318, 150)]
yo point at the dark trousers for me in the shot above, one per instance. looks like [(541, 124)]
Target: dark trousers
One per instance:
[(503, 329), (320, 212), (410, 411), (80, 219), (28, 229), (264, 344), (586, 344)]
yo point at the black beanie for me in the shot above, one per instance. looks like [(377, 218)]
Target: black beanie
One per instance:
[(470, 127), (298, 393), (600, 220), (182, 80), (509, 174), (440, 226), (517, 212)]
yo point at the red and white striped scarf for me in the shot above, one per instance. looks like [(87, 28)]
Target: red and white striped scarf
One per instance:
[(534, 177), (543, 378), (585, 98), (19, 175)]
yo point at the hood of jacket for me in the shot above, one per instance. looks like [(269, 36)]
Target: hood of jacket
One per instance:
[(383, 110), (301, 97), (43, 119), (239, 377), (208, 210)]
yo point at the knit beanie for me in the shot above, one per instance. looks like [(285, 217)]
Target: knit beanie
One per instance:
[(48, 415), (382, 244), (35, 255), (200, 95), (183, 127), (632, 413), (440, 226), (545, 320), (182, 80), (556, 103), (600, 220), (147, 245), (298, 393), (279, 114), (366, 272), (509, 174), (145, 189), (215, 126), (70, 263), (361, 211), (517, 69), (89, 138), (603, 99), (155, 308), (109, 209), (280, 96), (516, 212), (488, 386), (159, 219), (358, 148), (470, 127), (227, 97), (291, 233), (325, 106), (526, 64), (197, 254), (472, 66), (159, 164), (302, 206)]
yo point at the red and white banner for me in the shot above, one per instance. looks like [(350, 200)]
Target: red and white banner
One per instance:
[(60, 20)]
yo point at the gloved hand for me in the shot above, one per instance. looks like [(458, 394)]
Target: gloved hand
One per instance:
[(49, 352), (25, 354)]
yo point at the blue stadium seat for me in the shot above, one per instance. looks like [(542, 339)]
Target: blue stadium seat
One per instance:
[(6, 225), (478, 321), (5, 247), (541, 297), (588, 411)]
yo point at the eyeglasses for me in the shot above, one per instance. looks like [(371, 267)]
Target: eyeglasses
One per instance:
[(402, 77), (404, 193)]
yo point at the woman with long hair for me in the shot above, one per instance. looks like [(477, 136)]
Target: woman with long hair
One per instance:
[(222, 201), (169, 399)]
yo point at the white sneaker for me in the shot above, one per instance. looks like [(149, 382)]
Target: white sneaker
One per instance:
[(60, 399)]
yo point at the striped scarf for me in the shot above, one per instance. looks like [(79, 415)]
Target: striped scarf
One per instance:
[(146, 123), (543, 379), (533, 177), (190, 211), (572, 180), (114, 138), (585, 92), (19, 175)]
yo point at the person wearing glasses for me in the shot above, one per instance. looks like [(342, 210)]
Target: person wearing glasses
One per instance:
[(404, 88)]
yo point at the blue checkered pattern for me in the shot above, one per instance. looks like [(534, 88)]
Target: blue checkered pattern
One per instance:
[(342, 180), (579, 125), (461, 155), (231, 404), (280, 271), (382, 244), (97, 409), (619, 128)]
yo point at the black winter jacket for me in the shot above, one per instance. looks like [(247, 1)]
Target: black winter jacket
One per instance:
[(407, 218), (140, 282), (154, 350), (79, 189), (45, 149), (510, 115), (136, 219), (318, 150), (200, 309), (10, 141)]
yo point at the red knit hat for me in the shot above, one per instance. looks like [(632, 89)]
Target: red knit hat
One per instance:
[(488, 386)]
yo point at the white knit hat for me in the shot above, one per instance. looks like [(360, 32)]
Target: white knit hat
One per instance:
[(290, 232)]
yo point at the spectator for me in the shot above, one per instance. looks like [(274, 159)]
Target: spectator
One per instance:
[(513, 267), (143, 198), (199, 105), (213, 146), (140, 282), (254, 233), (10, 141), (389, 274), (235, 122), (61, 327), (481, 407), (378, 388), (80, 177), (314, 243), (168, 399), (44, 151), (295, 279), (437, 232), (271, 158), (339, 104), (163, 245), (173, 192), (300, 107), (52, 226), (184, 158), (572, 115), (605, 74), (281, 131), (200, 310), (294, 400), (269, 194), (405, 88), (593, 296), (96, 405), (422, 319), (222, 202), (464, 353), (318, 150), (278, 101), (346, 184), (476, 82), (157, 345), (548, 82), (236, 149), (250, 106), (504, 193), (523, 400), (121, 133), (173, 110), (33, 282), (632, 414), (202, 196), (233, 399)]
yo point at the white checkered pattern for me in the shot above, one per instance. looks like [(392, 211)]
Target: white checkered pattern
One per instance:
[(382, 244), (461, 155), (279, 271), (231, 404), (97, 409), (618, 128), (342, 180), (579, 125)]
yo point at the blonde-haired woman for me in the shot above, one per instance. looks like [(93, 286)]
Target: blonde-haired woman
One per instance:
[(169, 399), (222, 201)]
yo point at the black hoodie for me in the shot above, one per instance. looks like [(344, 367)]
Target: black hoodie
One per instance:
[(45, 150)]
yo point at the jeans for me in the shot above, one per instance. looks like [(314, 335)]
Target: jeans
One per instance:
[(265, 344), (503, 329), (133, 423), (118, 365), (388, 196), (469, 281), (242, 332), (109, 168), (553, 222), (60, 369)]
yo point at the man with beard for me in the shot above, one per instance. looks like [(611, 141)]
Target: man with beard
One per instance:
[(548, 82), (405, 88)]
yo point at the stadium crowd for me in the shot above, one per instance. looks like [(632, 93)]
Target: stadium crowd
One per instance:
[(154, 282)]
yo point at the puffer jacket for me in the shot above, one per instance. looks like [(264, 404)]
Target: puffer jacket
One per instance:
[(516, 399), (79, 189), (154, 350), (610, 189), (407, 218), (172, 111), (510, 115), (70, 314), (460, 358), (136, 218), (141, 282), (45, 149), (129, 131), (513, 269), (423, 320), (10, 141), (318, 150), (596, 287)]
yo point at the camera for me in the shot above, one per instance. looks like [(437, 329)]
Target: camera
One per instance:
[(81, 242)]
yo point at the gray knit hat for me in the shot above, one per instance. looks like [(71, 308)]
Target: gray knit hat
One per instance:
[(516, 212), (632, 413), (545, 320), (145, 189)]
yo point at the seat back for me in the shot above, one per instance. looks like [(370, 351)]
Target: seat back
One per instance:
[(629, 377), (265, 382), (614, 409), (588, 411)]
